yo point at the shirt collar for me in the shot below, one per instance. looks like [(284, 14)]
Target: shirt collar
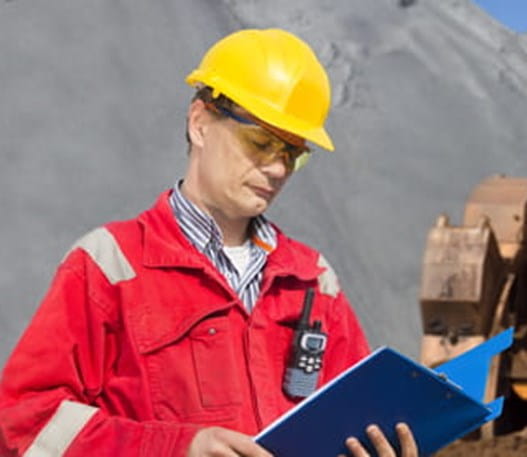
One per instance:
[(202, 230)]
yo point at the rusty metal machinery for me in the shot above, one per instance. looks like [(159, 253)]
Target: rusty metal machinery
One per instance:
[(474, 284)]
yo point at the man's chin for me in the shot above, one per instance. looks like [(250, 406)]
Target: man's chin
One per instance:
[(259, 206)]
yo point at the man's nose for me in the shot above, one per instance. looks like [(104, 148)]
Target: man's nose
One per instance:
[(277, 167)]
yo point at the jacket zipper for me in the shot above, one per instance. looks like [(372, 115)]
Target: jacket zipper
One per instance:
[(266, 284), (254, 398)]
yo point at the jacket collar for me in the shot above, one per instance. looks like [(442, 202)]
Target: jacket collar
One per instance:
[(292, 258), (165, 246)]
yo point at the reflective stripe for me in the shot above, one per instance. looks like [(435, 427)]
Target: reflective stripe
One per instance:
[(104, 250), (327, 281), (61, 430)]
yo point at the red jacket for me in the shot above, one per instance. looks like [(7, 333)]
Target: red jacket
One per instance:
[(140, 342)]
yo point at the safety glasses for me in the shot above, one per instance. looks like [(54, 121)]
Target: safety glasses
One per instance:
[(264, 146)]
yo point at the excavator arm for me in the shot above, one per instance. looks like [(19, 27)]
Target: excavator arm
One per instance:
[(474, 285)]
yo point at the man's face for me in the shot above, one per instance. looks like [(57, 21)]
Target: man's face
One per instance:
[(239, 168)]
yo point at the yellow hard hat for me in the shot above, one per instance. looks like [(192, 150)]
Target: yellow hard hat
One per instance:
[(275, 76)]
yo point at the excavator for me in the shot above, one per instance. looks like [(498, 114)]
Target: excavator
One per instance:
[(473, 286)]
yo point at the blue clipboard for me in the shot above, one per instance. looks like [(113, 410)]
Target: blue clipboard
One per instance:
[(385, 388)]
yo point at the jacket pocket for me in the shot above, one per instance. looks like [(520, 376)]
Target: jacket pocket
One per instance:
[(192, 369), (214, 363)]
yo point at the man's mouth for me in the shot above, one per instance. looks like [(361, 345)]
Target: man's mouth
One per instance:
[(263, 192)]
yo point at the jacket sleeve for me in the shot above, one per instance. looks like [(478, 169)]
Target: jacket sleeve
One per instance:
[(347, 343), (50, 384)]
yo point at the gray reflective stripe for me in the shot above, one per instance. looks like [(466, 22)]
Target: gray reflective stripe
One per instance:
[(327, 281), (61, 430), (104, 250)]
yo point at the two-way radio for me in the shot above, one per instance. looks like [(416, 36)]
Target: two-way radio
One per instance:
[(305, 362)]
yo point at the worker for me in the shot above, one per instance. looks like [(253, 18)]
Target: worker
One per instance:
[(170, 334)]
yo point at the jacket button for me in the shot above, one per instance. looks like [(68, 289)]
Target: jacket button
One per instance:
[(212, 331)]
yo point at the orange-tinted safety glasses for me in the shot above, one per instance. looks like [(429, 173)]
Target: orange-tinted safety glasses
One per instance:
[(262, 142)]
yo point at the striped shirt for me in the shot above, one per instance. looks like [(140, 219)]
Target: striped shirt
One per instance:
[(203, 232)]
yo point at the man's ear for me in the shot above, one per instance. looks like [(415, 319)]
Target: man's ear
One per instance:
[(197, 117)]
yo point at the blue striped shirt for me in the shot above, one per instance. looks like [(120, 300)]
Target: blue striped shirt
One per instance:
[(203, 232)]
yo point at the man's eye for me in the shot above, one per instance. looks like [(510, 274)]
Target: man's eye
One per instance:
[(260, 144), (293, 150), (290, 148)]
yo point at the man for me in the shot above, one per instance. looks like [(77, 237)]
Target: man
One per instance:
[(169, 334)]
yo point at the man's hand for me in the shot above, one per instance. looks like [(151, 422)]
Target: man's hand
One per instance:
[(221, 442), (381, 444)]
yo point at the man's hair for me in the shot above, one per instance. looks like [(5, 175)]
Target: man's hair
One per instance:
[(205, 94)]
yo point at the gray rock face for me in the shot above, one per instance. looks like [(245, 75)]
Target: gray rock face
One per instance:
[(428, 100)]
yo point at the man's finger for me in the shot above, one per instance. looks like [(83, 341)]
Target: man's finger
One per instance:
[(245, 446), (354, 446), (407, 440), (379, 441)]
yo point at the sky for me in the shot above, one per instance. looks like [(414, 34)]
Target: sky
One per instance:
[(512, 13)]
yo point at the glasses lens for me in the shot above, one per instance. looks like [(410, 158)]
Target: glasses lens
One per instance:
[(264, 147), (302, 160)]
